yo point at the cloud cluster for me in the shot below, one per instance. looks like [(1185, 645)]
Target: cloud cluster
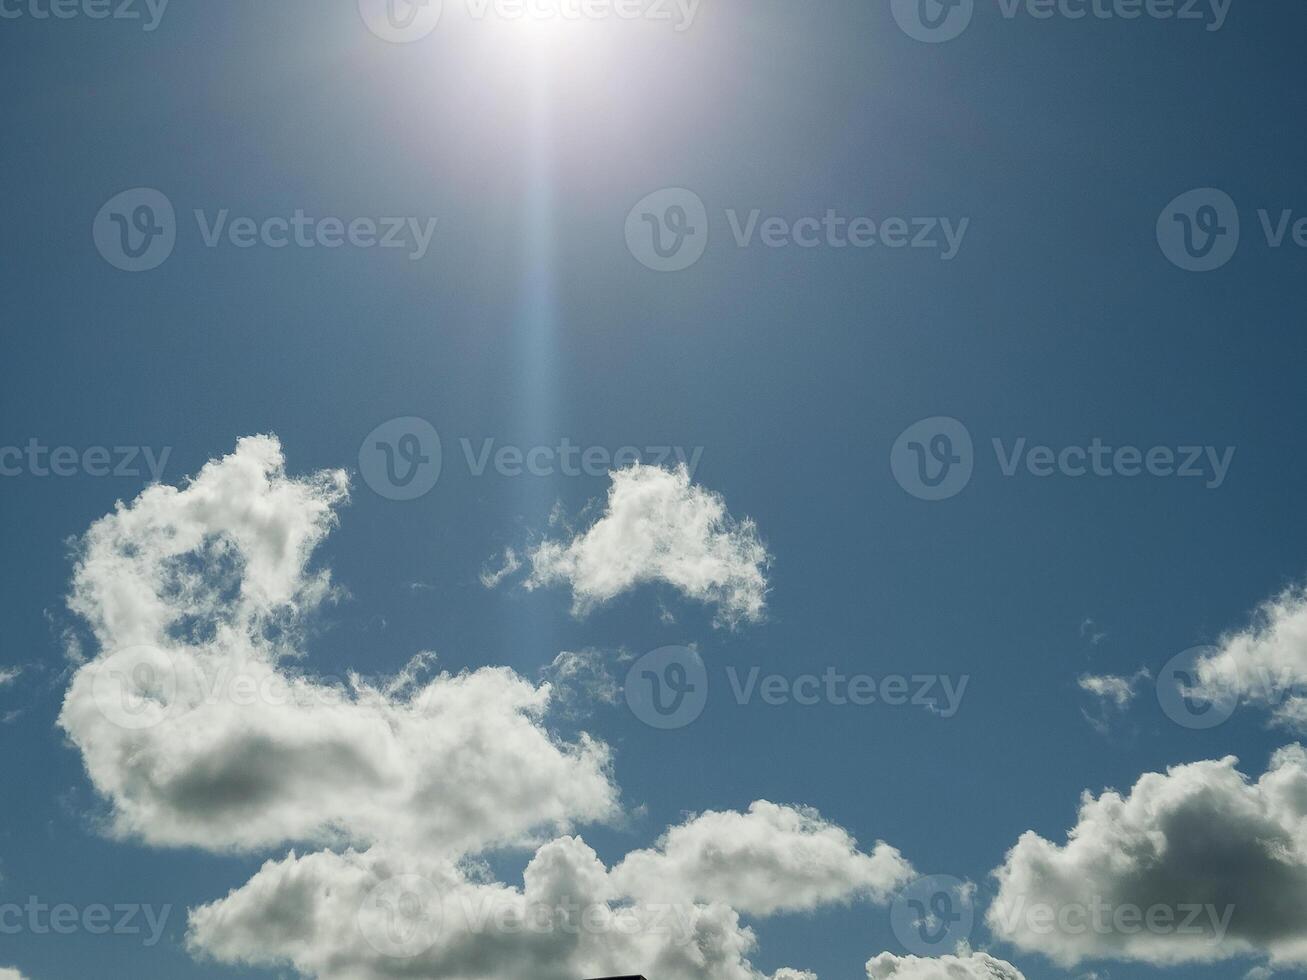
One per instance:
[(659, 527), (195, 596), (966, 966), (338, 916), (8, 973), (201, 723), (1195, 865)]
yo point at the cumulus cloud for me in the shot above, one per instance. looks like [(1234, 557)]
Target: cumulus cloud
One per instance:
[(1195, 865), (7, 676), (659, 527), (1265, 663), (199, 725), (769, 860), (967, 966), (379, 915), (8, 973)]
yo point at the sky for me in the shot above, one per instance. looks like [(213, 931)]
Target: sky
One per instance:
[(780, 490)]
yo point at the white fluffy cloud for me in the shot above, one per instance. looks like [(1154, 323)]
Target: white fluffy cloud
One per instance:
[(969, 966), (769, 860), (8, 973), (198, 725), (659, 527), (378, 915), (1195, 865), (1264, 664), (1113, 690)]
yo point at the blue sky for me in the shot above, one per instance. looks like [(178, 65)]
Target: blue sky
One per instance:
[(788, 373)]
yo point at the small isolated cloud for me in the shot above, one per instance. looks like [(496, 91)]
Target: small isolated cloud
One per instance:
[(580, 679), (1113, 690), (509, 565), (8, 677), (1264, 664), (659, 527), (970, 966), (1089, 631), (1113, 695), (9, 973), (772, 859), (1195, 865)]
